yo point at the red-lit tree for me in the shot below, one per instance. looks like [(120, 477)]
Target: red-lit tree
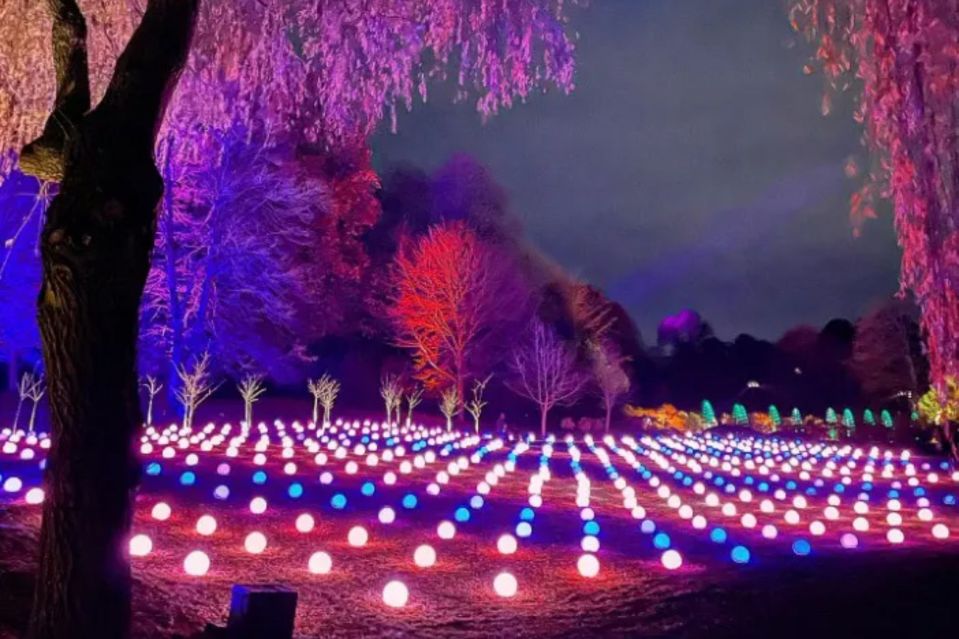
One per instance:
[(325, 72), (905, 58), (453, 294)]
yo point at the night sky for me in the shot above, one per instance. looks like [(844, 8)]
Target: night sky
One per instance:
[(691, 167)]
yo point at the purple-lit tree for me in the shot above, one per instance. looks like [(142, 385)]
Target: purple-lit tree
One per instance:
[(231, 270), (321, 71), (546, 371)]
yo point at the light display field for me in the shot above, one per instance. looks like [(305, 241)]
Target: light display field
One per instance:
[(403, 518)]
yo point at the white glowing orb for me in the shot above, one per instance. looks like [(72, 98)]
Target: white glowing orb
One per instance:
[(206, 525), (12, 484), (446, 530), (305, 523), (320, 563), (257, 505), (672, 559), (506, 544), (589, 544), (140, 545), (424, 556), (357, 536), (395, 594), (387, 515), (940, 531), (196, 563), (895, 536), (255, 543), (588, 565), (34, 496), (505, 585), (161, 511)]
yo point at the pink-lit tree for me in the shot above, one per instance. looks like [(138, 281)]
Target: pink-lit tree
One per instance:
[(545, 371), (903, 60), (324, 72)]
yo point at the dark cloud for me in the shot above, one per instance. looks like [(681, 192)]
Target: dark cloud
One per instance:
[(691, 167)]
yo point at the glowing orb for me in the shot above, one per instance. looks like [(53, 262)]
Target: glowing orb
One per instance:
[(940, 531), (395, 594), (505, 585), (320, 563), (387, 515), (506, 544), (258, 506), (589, 544), (671, 559), (255, 543), (817, 528), (140, 546), (304, 523), (849, 541), (357, 536), (740, 555), (895, 536), (588, 565), (12, 484), (424, 556), (196, 563), (523, 529), (34, 496), (161, 511), (769, 531), (206, 525), (446, 530)]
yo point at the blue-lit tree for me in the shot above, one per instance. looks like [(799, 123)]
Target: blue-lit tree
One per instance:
[(22, 205)]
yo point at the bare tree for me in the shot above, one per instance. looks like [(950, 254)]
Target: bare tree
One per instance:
[(413, 399), (35, 392), (475, 406), (195, 387), (153, 388), (450, 405), (612, 382), (27, 380), (250, 387), (391, 390), (324, 391), (545, 371)]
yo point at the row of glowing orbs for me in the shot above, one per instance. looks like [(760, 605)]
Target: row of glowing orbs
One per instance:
[(831, 512)]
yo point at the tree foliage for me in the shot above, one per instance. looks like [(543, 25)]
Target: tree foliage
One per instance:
[(325, 71), (901, 57)]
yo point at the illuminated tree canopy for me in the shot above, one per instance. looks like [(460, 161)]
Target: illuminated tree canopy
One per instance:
[(902, 58), (327, 71)]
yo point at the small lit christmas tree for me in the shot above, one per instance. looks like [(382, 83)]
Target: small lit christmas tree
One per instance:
[(886, 418), (740, 416), (848, 421), (831, 417), (868, 418), (775, 417), (796, 417), (709, 415)]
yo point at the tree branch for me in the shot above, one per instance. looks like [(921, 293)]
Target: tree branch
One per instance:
[(44, 157), (147, 71)]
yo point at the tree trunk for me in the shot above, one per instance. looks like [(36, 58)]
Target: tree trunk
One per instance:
[(609, 415), (16, 415), (326, 416), (542, 421), (248, 413), (150, 410), (316, 410), (33, 417), (95, 252)]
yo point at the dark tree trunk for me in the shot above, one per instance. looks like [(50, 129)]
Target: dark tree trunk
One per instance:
[(95, 250)]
